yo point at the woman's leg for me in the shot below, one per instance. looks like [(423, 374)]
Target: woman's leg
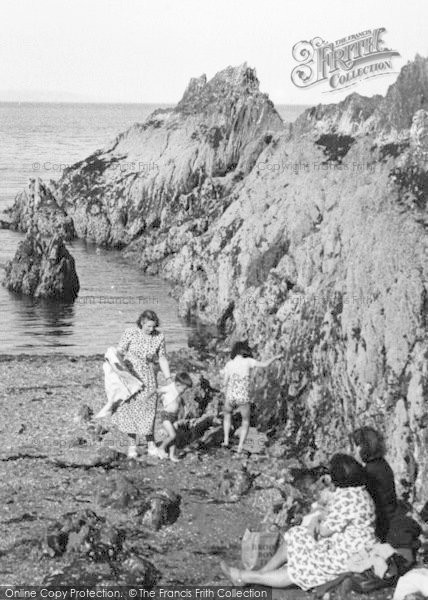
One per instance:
[(227, 422), (276, 579), (277, 560), (245, 410), (132, 449)]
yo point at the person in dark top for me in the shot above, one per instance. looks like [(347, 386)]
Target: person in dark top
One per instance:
[(380, 476)]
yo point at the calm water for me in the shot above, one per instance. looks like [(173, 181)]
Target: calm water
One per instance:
[(41, 140)]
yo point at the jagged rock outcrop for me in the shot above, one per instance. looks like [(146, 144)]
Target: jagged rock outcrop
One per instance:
[(309, 240), (42, 269), (179, 164), (37, 206)]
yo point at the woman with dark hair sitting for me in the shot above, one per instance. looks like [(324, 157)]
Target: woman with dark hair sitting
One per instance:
[(141, 345), (317, 556), (381, 485)]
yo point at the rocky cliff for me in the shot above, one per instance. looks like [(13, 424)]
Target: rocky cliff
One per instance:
[(307, 239)]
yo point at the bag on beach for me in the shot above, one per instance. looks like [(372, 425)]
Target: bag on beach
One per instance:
[(258, 547)]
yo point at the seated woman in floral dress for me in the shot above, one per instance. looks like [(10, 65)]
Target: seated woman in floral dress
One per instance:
[(317, 556)]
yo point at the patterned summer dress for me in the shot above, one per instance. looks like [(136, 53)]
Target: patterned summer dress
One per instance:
[(237, 371), (137, 415), (351, 517)]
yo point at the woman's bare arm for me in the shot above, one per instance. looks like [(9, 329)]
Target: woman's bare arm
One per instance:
[(164, 366), (266, 363)]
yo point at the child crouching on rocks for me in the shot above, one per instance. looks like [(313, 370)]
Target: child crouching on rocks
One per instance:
[(236, 378), (172, 401)]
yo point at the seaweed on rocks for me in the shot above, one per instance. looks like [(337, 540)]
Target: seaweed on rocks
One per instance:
[(412, 183), (335, 146)]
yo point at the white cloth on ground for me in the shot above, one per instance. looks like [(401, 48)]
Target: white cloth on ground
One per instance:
[(376, 558), (413, 582), (119, 383)]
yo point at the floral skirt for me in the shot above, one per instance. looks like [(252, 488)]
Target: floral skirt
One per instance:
[(136, 415), (312, 563)]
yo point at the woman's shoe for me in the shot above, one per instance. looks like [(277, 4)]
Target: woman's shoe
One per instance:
[(232, 573), (162, 454), (132, 452)]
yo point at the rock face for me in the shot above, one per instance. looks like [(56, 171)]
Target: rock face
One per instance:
[(307, 239), (38, 206), (43, 270), (173, 171)]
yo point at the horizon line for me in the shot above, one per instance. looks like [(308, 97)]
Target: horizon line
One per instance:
[(172, 104)]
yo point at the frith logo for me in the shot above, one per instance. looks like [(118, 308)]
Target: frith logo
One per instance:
[(344, 62)]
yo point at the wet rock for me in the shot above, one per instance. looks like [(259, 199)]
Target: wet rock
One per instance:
[(163, 509), (4, 224), (235, 484), (82, 458), (128, 494), (84, 414), (84, 533), (121, 492), (256, 441), (42, 269), (127, 569), (136, 570)]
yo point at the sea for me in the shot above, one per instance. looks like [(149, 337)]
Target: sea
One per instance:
[(41, 140)]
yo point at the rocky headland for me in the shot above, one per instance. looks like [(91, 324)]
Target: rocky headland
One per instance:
[(306, 238)]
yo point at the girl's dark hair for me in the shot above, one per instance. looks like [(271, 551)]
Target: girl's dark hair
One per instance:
[(345, 471), (370, 442), (184, 379), (241, 348), (148, 315)]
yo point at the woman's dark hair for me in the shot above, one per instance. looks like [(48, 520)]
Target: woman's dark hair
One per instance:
[(242, 349), (148, 315), (370, 442), (345, 471), (184, 379)]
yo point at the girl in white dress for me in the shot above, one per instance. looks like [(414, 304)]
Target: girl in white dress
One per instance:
[(236, 379)]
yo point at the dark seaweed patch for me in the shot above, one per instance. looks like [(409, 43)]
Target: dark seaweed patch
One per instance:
[(412, 182), (335, 147)]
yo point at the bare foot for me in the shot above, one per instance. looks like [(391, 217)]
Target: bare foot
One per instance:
[(225, 444), (174, 459), (232, 573)]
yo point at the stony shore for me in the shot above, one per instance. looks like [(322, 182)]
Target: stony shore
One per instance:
[(55, 461), (42, 433)]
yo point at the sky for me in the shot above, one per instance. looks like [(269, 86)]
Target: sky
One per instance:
[(146, 51)]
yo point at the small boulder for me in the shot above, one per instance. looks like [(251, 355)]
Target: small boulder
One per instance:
[(163, 509), (235, 484), (83, 533)]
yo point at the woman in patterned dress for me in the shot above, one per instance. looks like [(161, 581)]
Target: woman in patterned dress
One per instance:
[(140, 346), (318, 556)]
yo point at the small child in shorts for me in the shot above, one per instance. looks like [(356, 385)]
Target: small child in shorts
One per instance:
[(171, 400), (236, 380)]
